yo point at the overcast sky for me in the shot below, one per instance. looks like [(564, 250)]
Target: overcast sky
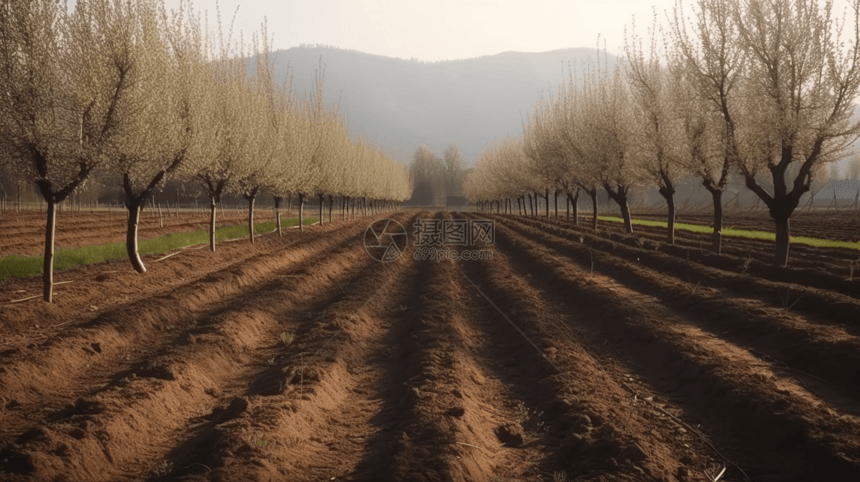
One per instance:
[(434, 30)]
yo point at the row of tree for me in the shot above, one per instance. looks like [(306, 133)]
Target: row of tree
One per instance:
[(761, 89), (130, 90), (436, 178)]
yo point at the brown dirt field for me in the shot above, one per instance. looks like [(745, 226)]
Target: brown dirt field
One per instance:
[(24, 233), (301, 358), (841, 225), (828, 269)]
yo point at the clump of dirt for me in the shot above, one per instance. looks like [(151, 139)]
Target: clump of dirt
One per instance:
[(511, 434)]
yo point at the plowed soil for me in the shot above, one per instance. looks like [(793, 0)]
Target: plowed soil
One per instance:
[(840, 225), (24, 233), (567, 356)]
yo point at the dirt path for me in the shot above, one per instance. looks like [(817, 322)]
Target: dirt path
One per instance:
[(318, 422), (138, 357), (764, 419), (840, 225), (755, 254), (24, 234), (583, 416), (817, 338), (301, 358), (812, 284)]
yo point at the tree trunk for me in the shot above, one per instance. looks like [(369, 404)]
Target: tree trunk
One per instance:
[(574, 201), (717, 236), (330, 206), (213, 206), (783, 231), (781, 204), (593, 194), (567, 206), (620, 197), (322, 202), (251, 198), (670, 235), (133, 206), (668, 193), (278, 214), (546, 198), (625, 213), (555, 202), (301, 212), (48, 262)]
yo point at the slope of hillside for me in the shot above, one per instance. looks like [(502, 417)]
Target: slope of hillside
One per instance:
[(401, 103)]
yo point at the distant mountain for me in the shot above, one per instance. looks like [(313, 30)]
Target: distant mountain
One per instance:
[(400, 104)]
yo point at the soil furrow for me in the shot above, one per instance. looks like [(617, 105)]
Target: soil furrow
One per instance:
[(818, 271), (443, 408), (32, 384), (766, 420), (218, 356), (592, 426), (826, 269), (314, 421), (821, 306), (736, 313), (113, 283), (26, 237)]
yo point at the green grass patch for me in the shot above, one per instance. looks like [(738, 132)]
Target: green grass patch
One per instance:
[(20, 266), (741, 233)]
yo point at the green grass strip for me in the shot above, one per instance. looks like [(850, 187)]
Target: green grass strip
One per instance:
[(741, 233), (20, 266)]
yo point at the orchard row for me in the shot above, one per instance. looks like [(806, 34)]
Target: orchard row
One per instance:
[(141, 95), (763, 90)]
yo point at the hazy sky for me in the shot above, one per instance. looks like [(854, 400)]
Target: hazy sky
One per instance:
[(435, 30)]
